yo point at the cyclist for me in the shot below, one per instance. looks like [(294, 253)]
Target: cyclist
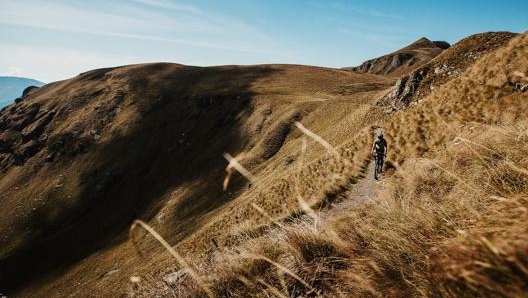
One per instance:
[(379, 151)]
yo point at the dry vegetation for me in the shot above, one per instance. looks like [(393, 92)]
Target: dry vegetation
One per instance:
[(433, 231), (450, 222), (145, 124)]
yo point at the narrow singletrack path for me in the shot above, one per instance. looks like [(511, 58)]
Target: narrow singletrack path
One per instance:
[(366, 189)]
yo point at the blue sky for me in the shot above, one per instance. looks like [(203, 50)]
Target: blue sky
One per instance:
[(56, 39)]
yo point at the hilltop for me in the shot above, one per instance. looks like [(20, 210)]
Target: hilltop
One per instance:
[(403, 60), (82, 158)]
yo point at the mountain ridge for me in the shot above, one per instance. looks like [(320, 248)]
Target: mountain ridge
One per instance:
[(403, 60)]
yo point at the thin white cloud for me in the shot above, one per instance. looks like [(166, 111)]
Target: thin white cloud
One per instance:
[(229, 24), (185, 34), (236, 46), (59, 16), (192, 27), (48, 64), (13, 71), (375, 27), (364, 11), (386, 40), (55, 63), (171, 5)]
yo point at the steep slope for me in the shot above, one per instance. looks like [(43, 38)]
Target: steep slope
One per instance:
[(13, 87), (83, 157), (403, 60), (448, 65), (448, 219)]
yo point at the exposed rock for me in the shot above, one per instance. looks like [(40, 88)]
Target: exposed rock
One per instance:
[(27, 151), (442, 44), (36, 129), (28, 90), (23, 133), (274, 139), (5, 146), (445, 67), (404, 89)]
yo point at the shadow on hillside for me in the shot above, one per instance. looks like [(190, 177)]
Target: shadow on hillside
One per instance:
[(189, 117)]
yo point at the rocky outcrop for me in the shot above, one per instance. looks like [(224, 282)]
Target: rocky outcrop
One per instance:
[(28, 90), (25, 131), (25, 93), (22, 127), (442, 44), (404, 90), (448, 65)]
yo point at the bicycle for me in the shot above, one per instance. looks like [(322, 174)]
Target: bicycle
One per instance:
[(378, 165)]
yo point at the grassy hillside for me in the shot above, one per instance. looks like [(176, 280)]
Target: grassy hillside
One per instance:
[(147, 141), (448, 222)]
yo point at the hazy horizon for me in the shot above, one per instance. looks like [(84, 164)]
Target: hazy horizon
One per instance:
[(58, 39)]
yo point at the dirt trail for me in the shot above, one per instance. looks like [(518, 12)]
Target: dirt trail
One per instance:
[(364, 190)]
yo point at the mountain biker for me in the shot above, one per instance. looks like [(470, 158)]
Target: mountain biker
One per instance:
[(379, 152)]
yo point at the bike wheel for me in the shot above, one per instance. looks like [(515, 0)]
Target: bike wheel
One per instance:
[(376, 169)]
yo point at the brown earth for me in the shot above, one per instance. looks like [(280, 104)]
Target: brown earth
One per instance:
[(84, 157)]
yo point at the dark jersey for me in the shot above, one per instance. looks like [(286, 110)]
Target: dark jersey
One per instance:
[(380, 146)]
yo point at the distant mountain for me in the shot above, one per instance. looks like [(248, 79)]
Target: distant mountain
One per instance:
[(404, 60), (12, 87)]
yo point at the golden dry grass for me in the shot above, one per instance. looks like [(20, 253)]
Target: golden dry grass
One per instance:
[(246, 111), (450, 221), (433, 231)]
